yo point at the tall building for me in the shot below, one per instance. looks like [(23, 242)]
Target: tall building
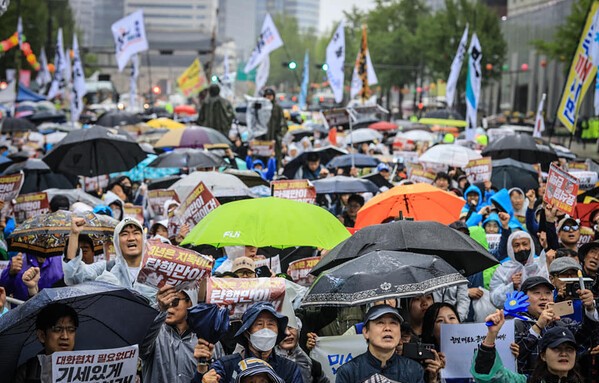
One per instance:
[(94, 18), (499, 6), (176, 15), (516, 7)]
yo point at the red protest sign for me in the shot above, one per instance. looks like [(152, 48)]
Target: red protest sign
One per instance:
[(10, 186), (30, 205), (197, 205), (157, 198), (263, 148), (238, 293), (297, 190), (167, 264), (562, 189), (479, 170), (300, 270)]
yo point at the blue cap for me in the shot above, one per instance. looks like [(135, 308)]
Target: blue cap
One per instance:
[(382, 167)]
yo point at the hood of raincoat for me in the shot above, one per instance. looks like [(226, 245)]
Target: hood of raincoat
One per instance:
[(480, 203), (493, 217), (120, 227), (501, 200), (510, 249), (522, 211), (250, 316)]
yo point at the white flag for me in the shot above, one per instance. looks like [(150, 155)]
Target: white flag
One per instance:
[(473, 83), (43, 77), (129, 37), (268, 41), (20, 32), (226, 69), (456, 65), (78, 83), (540, 122), (59, 68), (335, 62), (262, 75), (356, 81), (133, 81)]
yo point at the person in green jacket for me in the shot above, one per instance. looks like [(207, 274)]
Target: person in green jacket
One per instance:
[(216, 112), (557, 360)]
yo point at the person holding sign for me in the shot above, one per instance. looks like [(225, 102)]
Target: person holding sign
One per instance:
[(557, 359)]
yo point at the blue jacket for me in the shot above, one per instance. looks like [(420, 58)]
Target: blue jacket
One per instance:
[(363, 366), (268, 172), (481, 202), (502, 201)]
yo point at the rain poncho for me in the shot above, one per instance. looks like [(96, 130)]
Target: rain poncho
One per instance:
[(501, 282), (111, 198), (468, 209)]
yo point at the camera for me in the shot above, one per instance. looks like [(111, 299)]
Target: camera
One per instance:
[(263, 272), (573, 284), (418, 351)]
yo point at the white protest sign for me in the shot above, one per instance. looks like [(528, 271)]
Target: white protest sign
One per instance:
[(459, 341), (273, 263), (586, 179), (113, 365), (493, 241), (334, 351)]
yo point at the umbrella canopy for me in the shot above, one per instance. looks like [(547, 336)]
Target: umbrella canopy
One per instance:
[(445, 114), (29, 164), (359, 161), (45, 235), (48, 116), (423, 237), (75, 195), (271, 221), (423, 202), (219, 184), (143, 171), (38, 176), (163, 183), (186, 158), (383, 126), (343, 184), (417, 135), (95, 151), (521, 147), (449, 154), (560, 150), (248, 177), (117, 118), (381, 274), (359, 136), (186, 109), (13, 125), (509, 173), (316, 127), (443, 122), (326, 154), (192, 137), (99, 326), (165, 123)]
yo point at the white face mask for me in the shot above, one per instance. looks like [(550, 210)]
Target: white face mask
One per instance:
[(116, 213), (264, 340)]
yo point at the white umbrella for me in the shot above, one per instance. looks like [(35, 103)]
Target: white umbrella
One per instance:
[(418, 135), (449, 154), (220, 185), (362, 135)]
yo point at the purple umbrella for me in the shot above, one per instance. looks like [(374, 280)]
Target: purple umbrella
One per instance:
[(192, 137)]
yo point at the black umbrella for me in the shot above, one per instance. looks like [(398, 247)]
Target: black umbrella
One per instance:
[(509, 173), (325, 154), (248, 177), (163, 183), (521, 147), (38, 176), (100, 326), (94, 151), (378, 180), (46, 116), (117, 118), (13, 125), (425, 237), (446, 114), (381, 274), (5, 162), (186, 158), (355, 159), (343, 184), (29, 164), (19, 156)]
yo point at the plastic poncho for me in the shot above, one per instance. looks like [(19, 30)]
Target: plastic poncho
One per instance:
[(467, 207)]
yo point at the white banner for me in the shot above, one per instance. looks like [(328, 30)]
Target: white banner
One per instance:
[(335, 62), (540, 122), (20, 32), (473, 83), (78, 83), (268, 41), (273, 263), (334, 351), (129, 37), (59, 68), (456, 65), (262, 75), (459, 341), (356, 81), (43, 77), (586, 179), (133, 81)]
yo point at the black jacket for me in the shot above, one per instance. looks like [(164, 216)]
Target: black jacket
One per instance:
[(363, 366)]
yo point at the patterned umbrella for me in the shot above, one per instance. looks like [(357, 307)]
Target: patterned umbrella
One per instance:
[(192, 137)]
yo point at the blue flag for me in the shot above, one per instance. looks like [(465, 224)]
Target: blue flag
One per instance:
[(305, 81)]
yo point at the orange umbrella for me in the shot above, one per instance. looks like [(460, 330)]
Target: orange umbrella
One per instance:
[(422, 202)]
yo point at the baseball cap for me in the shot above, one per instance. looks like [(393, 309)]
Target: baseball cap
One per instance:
[(243, 263), (532, 282), (562, 264), (555, 336), (378, 311), (382, 167), (254, 366), (563, 221)]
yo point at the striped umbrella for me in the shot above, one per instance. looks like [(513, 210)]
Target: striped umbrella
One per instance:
[(192, 137)]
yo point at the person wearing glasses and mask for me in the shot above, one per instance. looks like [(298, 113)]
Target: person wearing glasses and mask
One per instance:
[(56, 327)]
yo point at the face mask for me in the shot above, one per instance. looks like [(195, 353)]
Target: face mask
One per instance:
[(116, 213), (522, 255), (264, 340)]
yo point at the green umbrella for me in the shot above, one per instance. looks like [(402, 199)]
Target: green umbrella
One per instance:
[(271, 221)]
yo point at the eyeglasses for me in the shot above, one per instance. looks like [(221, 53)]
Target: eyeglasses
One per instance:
[(61, 329), (176, 301), (570, 227)]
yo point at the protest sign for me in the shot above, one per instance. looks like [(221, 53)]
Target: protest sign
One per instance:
[(459, 341), (419, 174), (167, 264), (561, 191), (10, 186), (493, 241), (109, 365), (237, 294), (479, 170), (92, 184), (335, 117), (300, 270), (586, 179), (109, 251), (587, 235), (296, 190), (263, 148), (334, 351), (405, 157), (578, 166), (30, 205), (273, 263), (136, 212), (157, 198), (196, 206)]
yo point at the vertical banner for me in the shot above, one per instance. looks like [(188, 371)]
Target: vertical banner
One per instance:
[(262, 75), (133, 81), (59, 68), (129, 37), (335, 61), (356, 80), (78, 83), (540, 121), (305, 81), (473, 82), (362, 66), (43, 77), (268, 41), (456, 65), (581, 74), (334, 351)]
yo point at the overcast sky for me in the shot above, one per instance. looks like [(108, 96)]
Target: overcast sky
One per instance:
[(331, 11)]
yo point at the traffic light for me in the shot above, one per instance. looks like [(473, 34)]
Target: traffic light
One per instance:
[(214, 78), (156, 89), (292, 65), (325, 67)]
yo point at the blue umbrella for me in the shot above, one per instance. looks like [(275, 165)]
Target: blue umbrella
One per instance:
[(141, 171), (100, 326), (208, 321), (360, 161)]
